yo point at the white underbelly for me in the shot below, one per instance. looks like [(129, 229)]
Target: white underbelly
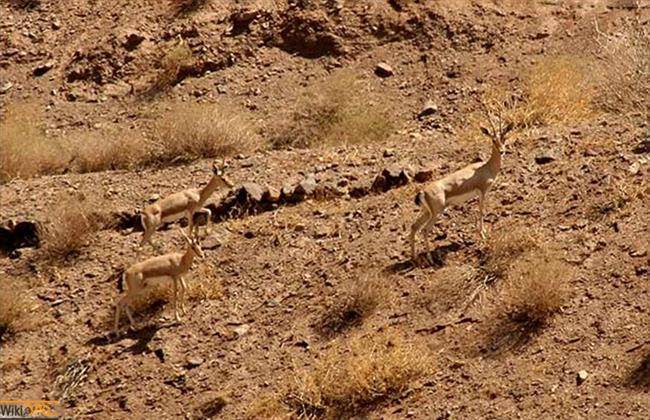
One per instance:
[(174, 217), (157, 281), (459, 199)]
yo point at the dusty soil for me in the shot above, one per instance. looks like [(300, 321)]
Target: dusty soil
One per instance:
[(279, 269)]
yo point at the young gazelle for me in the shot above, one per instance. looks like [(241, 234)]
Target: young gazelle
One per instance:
[(184, 203), (138, 278), (471, 181)]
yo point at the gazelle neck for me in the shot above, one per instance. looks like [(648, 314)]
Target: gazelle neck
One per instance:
[(495, 158), (188, 257), (207, 191)]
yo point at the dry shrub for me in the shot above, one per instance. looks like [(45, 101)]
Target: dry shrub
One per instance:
[(175, 62), (616, 200), (16, 307), (557, 89), (350, 380), (357, 301), (190, 131), (504, 247), (181, 7), (99, 151), (623, 71), (24, 149), (536, 287), (73, 221), (337, 110)]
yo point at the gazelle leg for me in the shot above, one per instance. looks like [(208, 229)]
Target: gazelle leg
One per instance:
[(426, 230), (481, 207), (176, 281), (118, 310), (183, 290), (425, 215), (190, 223), (130, 315), (208, 217)]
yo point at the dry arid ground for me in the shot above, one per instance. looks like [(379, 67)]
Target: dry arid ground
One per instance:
[(312, 307)]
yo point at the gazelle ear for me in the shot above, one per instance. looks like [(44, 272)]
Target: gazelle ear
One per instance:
[(508, 128), (187, 238), (485, 131)]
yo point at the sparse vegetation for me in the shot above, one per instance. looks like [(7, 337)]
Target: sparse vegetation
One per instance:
[(536, 288), (180, 7), (16, 307), (557, 90), (191, 131), (100, 151), (24, 149), (176, 59), (350, 380), (357, 300), (504, 247), (72, 222), (623, 71), (335, 111)]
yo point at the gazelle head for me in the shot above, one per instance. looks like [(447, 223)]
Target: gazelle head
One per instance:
[(219, 175), (194, 245), (498, 134), (498, 126)]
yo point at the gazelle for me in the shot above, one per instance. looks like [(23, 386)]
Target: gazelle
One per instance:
[(471, 181), (138, 278), (184, 203)]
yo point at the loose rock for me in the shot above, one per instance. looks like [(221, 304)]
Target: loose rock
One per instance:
[(429, 108), (384, 70), (43, 68), (581, 377), (545, 156)]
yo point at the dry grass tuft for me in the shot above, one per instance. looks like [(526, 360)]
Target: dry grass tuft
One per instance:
[(623, 72), (175, 61), (16, 307), (337, 110), (350, 380), (504, 247), (536, 288), (190, 131), (357, 301), (182, 7), (24, 149), (557, 90), (100, 151), (72, 222)]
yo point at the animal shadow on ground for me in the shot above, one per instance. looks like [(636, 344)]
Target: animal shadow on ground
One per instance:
[(143, 335), (435, 259), (509, 334), (211, 408), (640, 376)]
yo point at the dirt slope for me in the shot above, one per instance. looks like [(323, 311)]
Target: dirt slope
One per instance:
[(280, 270)]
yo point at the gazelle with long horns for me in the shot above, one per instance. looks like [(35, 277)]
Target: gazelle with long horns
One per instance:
[(138, 279), (184, 203), (471, 181)]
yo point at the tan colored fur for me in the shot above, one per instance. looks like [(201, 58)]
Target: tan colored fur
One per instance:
[(472, 181), (139, 278), (185, 203)]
